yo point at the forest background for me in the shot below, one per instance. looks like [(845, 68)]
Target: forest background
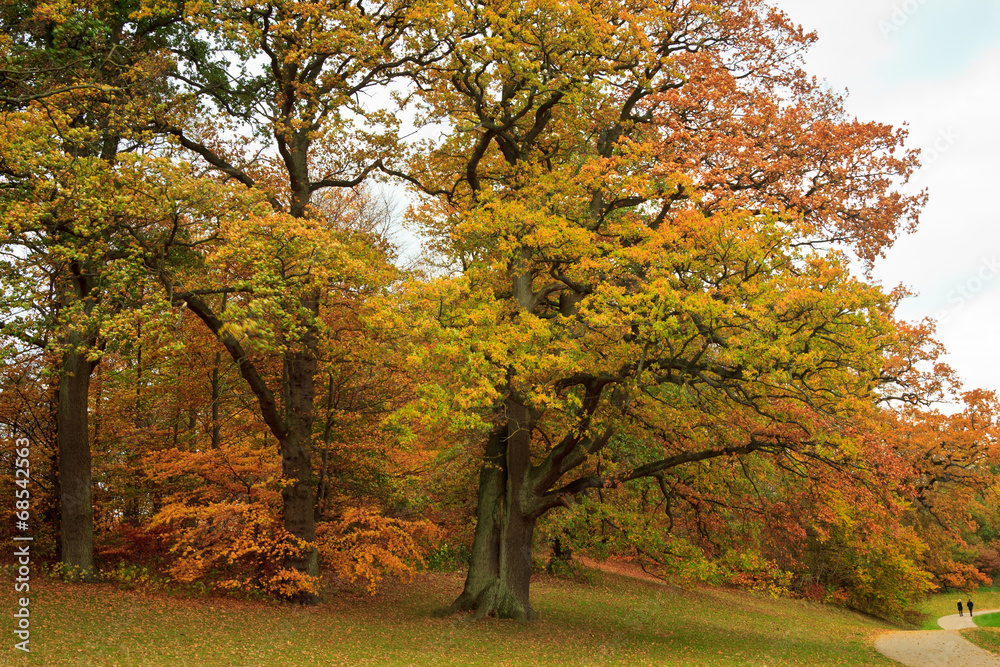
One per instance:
[(642, 326)]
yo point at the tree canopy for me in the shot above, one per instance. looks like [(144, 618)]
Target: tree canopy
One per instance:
[(642, 326)]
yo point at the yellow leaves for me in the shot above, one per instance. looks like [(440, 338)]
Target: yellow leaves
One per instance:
[(150, 8), (749, 570), (278, 252), (55, 11)]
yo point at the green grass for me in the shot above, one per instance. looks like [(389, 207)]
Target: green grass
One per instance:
[(987, 620), (987, 634), (612, 621), (944, 604), (985, 638)]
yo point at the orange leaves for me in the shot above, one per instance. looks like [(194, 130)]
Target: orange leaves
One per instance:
[(789, 152), (221, 518), (235, 545), (363, 544)]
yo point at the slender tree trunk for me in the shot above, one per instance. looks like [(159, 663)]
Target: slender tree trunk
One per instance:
[(216, 397), (54, 509), (76, 508), (217, 388), (323, 484), (499, 576), (562, 555)]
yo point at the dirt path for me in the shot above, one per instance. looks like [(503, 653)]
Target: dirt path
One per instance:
[(937, 648)]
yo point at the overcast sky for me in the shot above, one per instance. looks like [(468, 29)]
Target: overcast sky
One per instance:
[(935, 65)]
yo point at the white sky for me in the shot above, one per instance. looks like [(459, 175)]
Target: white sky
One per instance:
[(935, 65)]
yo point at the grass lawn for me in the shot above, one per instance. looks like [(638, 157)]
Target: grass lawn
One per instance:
[(987, 635), (612, 621), (944, 604), (988, 620), (985, 638)]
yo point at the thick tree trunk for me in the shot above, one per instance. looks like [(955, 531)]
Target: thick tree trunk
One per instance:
[(499, 575), (76, 508), (297, 505), (484, 562), (508, 595), (298, 496)]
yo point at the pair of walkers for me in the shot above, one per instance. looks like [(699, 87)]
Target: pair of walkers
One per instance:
[(967, 604)]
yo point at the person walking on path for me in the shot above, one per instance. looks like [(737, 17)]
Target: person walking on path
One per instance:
[(959, 607), (969, 605)]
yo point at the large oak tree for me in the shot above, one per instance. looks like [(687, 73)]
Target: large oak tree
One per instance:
[(641, 205)]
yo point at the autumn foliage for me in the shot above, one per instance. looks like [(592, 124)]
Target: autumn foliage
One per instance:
[(635, 331)]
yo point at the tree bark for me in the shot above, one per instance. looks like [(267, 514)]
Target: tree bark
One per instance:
[(484, 562), (298, 497), (499, 575), (216, 397), (76, 508)]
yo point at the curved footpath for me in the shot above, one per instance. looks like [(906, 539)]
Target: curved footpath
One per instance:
[(934, 648)]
